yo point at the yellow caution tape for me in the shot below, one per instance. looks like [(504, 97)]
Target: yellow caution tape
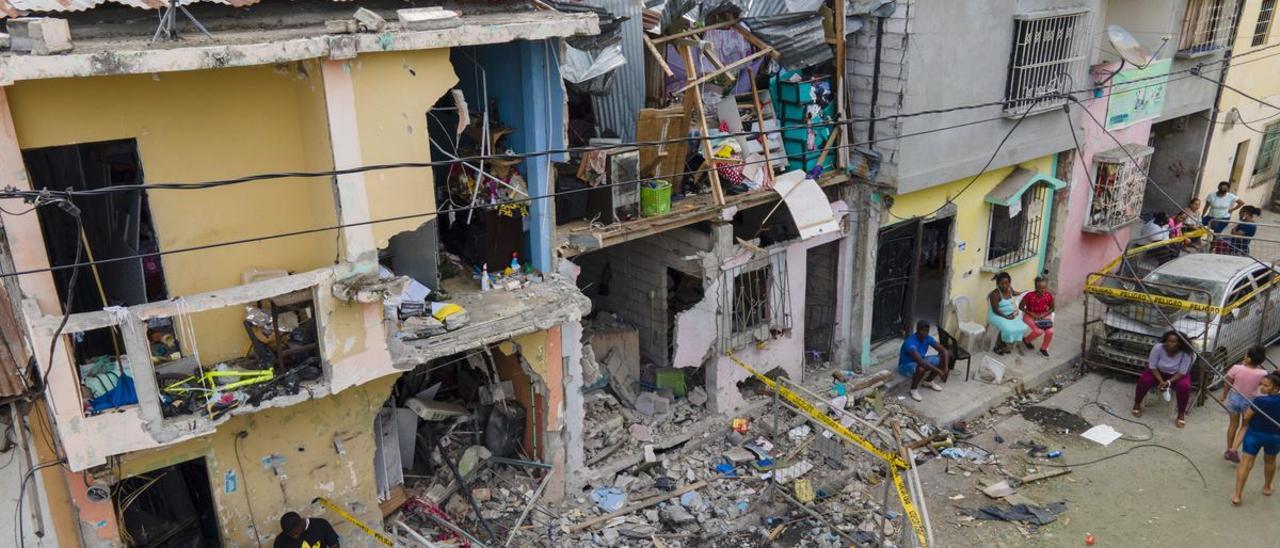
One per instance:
[(812, 411), (360, 524), (1160, 300), (895, 461), (913, 516)]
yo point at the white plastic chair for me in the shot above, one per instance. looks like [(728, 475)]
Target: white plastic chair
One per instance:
[(963, 309)]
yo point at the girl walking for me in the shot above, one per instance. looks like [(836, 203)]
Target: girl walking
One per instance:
[(1261, 435), (1241, 387)]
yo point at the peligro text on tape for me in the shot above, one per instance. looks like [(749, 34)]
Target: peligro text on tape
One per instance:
[(1160, 300), (352, 519), (913, 515)]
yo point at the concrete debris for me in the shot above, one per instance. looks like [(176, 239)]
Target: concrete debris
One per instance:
[(39, 35), (369, 20), (650, 404), (697, 396), (341, 26), (641, 433), (428, 18)]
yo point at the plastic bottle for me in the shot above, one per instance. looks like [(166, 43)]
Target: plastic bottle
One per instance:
[(1053, 454), (484, 277), (1166, 395)]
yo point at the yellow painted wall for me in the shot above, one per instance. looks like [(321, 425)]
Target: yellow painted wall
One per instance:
[(198, 126), (1256, 73), (971, 227), (304, 436), (393, 92)]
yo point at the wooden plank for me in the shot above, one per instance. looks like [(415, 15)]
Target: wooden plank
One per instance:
[(754, 41), (663, 124), (842, 155), (694, 98), (694, 32), (393, 502), (708, 76), (764, 134), (1043, 475), (46, 325), (657, 55), (711, 56)]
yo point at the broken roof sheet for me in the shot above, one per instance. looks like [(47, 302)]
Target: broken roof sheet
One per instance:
[(808, 204)]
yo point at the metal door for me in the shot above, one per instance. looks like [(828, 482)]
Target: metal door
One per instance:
[(896, 257)]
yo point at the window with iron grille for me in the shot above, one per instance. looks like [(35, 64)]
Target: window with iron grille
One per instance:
[(1267, 165), (1119, 183), (1261, 29), (1048, 51), (754, 300), (1207, 27), (1016, 230)]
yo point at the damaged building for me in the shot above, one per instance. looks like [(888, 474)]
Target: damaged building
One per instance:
[(419, 269)]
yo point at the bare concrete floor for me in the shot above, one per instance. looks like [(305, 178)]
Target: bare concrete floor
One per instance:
[(1150, 497)]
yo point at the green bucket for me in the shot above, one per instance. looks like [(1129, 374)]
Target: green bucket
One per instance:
[(655, 198)]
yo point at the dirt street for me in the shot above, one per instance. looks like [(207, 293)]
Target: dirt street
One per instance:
[(1150, 497)]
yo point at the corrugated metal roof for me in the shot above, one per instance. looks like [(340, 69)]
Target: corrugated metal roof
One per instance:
[(13, 351), (620, 108)]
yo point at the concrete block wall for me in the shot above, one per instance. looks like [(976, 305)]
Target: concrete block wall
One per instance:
[(638, 287), (860, 54)]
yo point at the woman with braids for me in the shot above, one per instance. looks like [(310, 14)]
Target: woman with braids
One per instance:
[(1168, 367)]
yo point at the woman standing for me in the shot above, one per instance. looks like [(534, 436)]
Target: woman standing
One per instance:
[(1037, 311), (1241, 387), (1004, 315), (1168, 366), (1261, 436), (1219, 206)]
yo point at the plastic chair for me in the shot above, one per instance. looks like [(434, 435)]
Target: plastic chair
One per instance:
[(963, 309)]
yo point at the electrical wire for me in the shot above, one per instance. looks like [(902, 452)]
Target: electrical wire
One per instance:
[(1204, 483), (1219, 376), (1097, 402), (22, 491), (248, 500)]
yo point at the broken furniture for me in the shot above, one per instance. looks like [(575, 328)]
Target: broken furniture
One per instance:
[(291, 331), (958, 353), (807, 111)]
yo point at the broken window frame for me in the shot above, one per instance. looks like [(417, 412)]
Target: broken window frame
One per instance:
[(1207, 26), (772, 313), (1119, 185), (1027, 223), (1046, 46)]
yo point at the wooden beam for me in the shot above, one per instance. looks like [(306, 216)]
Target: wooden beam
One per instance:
[(711, 56), (764, 134), (694, 98), (708, 76), (753, 40), (842, 155), (657, 56), (694, 32)]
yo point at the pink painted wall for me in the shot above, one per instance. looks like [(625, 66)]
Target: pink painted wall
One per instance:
[(1085, 252), (786, 351)]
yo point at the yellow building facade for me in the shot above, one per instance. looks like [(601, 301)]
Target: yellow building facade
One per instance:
[(1244, 145)]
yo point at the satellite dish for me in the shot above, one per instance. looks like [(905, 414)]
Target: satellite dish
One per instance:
[(1127, 46)]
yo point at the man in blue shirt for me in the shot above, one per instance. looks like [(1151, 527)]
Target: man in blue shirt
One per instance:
[(914, 361), (1244, 230)]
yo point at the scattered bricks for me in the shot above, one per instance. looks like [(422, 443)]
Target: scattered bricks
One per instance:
[(39, 35), (429, 18), (650, 404), (341, 26), (370, 21)]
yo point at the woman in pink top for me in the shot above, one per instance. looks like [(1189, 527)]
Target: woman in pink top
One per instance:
[(1241, 388)]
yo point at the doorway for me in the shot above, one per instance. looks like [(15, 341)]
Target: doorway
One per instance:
[(168, 507), (912, 260), (820, 297)]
